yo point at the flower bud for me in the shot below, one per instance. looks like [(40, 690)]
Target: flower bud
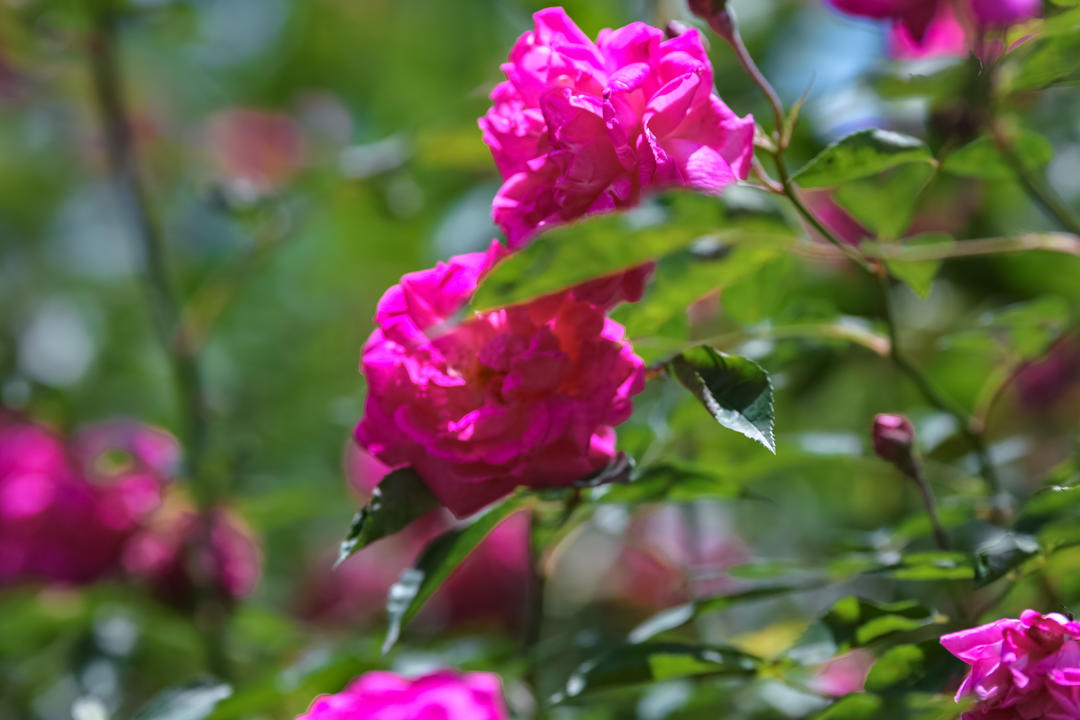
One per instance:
[(714, 12), (894, 440)]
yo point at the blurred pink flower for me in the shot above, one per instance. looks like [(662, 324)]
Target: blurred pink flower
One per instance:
[(526, 395), (925, 28), (169, 556), (945, 36), (844, 674), (835, 218), (664, 562), (490, 589), (1047, 381), (57, 522), (1021, 669), (444, 695), (255, 152), (581, 127)]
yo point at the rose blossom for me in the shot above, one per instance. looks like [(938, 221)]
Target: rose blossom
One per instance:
[(581, 127), (58, 522), (526, 395), (444, 695), (1021, 669)]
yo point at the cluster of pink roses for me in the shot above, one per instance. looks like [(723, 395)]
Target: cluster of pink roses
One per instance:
[(78, 511), (530, 395)]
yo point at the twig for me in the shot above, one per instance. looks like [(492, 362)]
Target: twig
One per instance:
[(1040, 192), (165, 308), (974, 438)]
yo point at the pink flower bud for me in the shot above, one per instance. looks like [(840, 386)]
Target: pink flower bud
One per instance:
[(894, 440)]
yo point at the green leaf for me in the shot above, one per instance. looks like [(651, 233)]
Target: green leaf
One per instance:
[(670, 481), (193, 702), (895, 666), (401, 497), (603, 245), (1050, 60), (981, 158), (885, 204), (856, 622), (736, 391), (862, 154), (678, 616), (854, 707), (441, 556), (685, 276), (919, 276), (657, 662), (1001, 557)]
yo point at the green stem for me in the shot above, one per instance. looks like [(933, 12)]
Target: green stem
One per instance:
[(1037, 190), (974, 438), (164, 306)]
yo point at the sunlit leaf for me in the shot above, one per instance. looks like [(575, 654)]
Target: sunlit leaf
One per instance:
[(656, 662), (919, 276), (981, 158), (736, 391), (885, 204), (862, 154), (670, 481), (193, 702)]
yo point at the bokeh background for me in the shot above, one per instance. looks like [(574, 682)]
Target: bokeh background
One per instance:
[(301, 155)]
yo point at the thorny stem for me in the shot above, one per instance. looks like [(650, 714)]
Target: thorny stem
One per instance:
[(940, 537), (724, 25), (535, 622), (164, 306)]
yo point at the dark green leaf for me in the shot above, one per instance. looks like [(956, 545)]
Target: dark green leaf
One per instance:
[(671, 481), (193, 702), (736, 391), (657, 662), (1001, 557), (678, 616), (854, 707), (401, 497), (441, 556), (860, 155), (919, 276), (855, 622), (981, 158)]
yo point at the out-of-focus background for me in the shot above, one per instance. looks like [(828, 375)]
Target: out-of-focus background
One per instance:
[(299, 157)]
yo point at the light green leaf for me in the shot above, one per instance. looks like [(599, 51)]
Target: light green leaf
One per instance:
[(919, 276), (401, 497), (981, 158), (862, 154), (656, 662), (885, 204), (736, 391)]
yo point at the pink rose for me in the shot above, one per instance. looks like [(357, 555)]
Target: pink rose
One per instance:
[(444, 695), (1021, 669), (1005, 12), (526, 395), (844, 674), (581, 127), (57, 525), (164, 554), (945, 36)]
